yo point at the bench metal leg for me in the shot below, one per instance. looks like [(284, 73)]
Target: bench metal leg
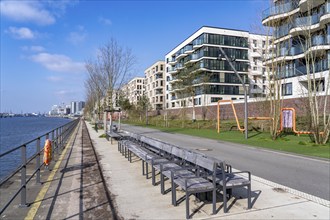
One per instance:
[(147, 171), (142, 167), (224, 200), (173, 193), (187, 205), (214, 200), (162, 187), (249, 197), (153, 176)]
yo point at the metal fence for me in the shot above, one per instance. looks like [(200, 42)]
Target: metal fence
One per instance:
[(58, 136)]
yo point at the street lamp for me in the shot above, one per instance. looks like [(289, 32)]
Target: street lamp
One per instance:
[(106, 111), (222, 52)]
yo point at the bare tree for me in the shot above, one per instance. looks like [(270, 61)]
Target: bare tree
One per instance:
[(315, 73), (108, 72), (95, 86), (115, 64)]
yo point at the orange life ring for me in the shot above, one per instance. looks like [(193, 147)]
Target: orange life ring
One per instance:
[(47, 152)]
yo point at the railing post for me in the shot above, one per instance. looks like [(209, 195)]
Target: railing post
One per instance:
[(23, 177), (54, 142), (57, 138), (38, 161), (62, 136)]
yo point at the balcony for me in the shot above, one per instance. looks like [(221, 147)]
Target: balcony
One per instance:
[(172, 70), (197, 43), (256, 71), (188, 49), (279, 11), (172, 61), (256, 91)]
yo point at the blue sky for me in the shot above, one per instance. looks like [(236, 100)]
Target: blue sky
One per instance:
[(44, 44)]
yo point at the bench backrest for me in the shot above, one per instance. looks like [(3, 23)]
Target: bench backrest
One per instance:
[(178, 152), (206, 163), (190, 156)]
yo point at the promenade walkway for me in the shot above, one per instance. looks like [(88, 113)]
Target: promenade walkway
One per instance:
[(92, 180)]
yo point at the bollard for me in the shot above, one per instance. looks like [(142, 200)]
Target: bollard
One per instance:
[(23, 177), (38, 161)]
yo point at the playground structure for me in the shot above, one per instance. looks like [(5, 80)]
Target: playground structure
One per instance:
[(241, 129), (287, 119)]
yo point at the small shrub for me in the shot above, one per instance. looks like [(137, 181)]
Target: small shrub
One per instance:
[(285, 139), (103, 136), (302, 143)]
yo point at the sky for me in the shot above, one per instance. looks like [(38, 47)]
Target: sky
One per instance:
[(44, 44)]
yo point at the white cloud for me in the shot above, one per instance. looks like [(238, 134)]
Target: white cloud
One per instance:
[(34, 48), (27, 11), (105, 21), (58, 63), (21, 33), (54, 79), (77, 37)]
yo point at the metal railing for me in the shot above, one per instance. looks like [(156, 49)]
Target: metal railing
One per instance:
[(59, 136)]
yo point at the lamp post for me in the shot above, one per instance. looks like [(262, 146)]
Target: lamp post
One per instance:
[(107, 110), (245, 91)]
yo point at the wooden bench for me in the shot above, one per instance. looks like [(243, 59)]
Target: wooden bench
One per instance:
[(191, 171), (233, 180), (113, 134), (192, 181)]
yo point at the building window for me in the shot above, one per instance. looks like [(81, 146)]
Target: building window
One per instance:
[(287, 89), (319, 86), (161, 67), (215, 99)]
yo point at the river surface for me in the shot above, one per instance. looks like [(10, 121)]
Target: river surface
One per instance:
[(17, 131)]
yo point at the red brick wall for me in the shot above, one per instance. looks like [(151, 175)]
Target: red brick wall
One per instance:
[(256, 109)]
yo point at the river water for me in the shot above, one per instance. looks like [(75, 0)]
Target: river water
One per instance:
[(20, 130)]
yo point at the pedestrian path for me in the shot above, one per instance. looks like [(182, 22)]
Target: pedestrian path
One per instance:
[(92, 180), (77, 189), (136, 198)]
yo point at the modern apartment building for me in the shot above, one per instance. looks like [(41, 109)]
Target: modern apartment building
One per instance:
[(258, 77), (301, 30), (134, 89), (155, 85), (214, 79)]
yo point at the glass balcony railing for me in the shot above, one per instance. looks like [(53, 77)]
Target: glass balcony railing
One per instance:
[(307, 21), (319, 40), (188, 47), (301, 22), (300, 70), (171, 69), (280, 9)]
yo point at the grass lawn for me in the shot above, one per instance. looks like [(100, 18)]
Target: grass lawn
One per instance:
[(288, 143)]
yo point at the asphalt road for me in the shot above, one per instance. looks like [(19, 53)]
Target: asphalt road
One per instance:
[(305, 174)]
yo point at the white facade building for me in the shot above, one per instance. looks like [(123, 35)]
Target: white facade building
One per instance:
[(215, 78), (134, 89), (155, 85), (302, 39)]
